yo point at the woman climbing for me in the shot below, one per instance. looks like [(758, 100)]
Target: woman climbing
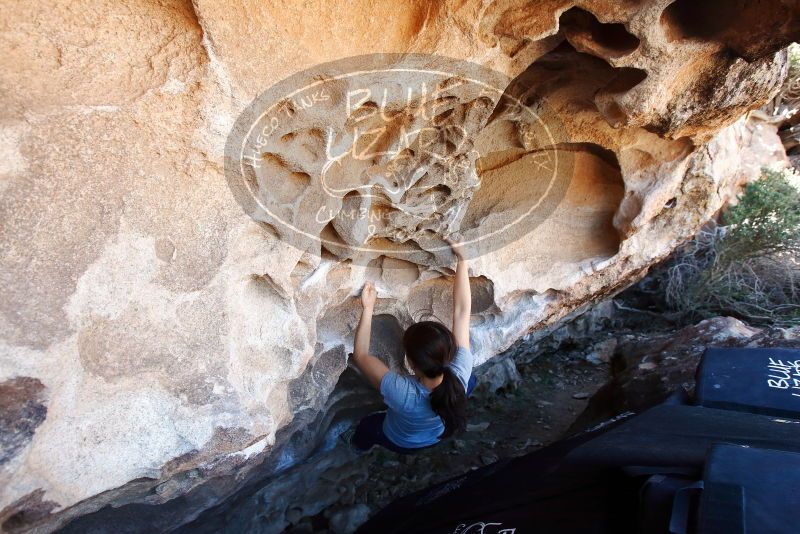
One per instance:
[(432, 404)]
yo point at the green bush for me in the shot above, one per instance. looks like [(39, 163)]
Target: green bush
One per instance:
[(794, 58), (766, 220), (747, 267)]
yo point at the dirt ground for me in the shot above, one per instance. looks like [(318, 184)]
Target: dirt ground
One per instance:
[(512, 421)]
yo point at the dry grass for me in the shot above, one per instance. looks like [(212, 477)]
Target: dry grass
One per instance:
[(748, 267)]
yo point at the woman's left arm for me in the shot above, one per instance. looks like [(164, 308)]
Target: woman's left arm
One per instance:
[(462, 296), (369, 365)]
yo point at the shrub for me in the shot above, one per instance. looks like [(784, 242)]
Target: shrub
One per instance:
[(794, 59), (747, 267)]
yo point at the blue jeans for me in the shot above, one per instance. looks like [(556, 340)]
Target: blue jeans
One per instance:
[(369, 431)]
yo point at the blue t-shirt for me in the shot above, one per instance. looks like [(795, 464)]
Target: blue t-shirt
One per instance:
[(410, 421)]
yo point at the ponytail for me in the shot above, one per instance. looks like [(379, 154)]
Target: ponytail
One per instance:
[(449, 401)]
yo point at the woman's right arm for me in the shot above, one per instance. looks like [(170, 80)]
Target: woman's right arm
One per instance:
[(370, 366), (462, 297)]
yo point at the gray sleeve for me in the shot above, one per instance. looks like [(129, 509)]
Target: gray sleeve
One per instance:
[(462, 365)]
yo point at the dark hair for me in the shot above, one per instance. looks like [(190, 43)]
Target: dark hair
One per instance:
[(431, 346)]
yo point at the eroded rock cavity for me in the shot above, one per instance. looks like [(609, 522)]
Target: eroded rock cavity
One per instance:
[(159, 341)]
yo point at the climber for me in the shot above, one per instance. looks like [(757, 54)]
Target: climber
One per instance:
[(431, 405)]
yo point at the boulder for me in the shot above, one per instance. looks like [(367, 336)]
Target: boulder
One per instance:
[(349, 519), (166, 343), (499, 374)]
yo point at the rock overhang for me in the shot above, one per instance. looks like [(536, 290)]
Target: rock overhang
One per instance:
[(143, 298)]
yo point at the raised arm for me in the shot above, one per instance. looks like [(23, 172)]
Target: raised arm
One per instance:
[(462, 297), (370, 366)]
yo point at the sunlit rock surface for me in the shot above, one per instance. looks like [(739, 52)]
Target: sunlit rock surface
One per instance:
[(157, 342)]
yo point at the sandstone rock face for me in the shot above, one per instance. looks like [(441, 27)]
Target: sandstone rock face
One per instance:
[(162, 340)]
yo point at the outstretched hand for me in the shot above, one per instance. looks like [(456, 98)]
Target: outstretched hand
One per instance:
[(369, 295), (373, 368), (454, 240)]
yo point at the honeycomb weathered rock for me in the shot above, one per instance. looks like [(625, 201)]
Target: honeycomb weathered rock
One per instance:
[(178, 343)]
